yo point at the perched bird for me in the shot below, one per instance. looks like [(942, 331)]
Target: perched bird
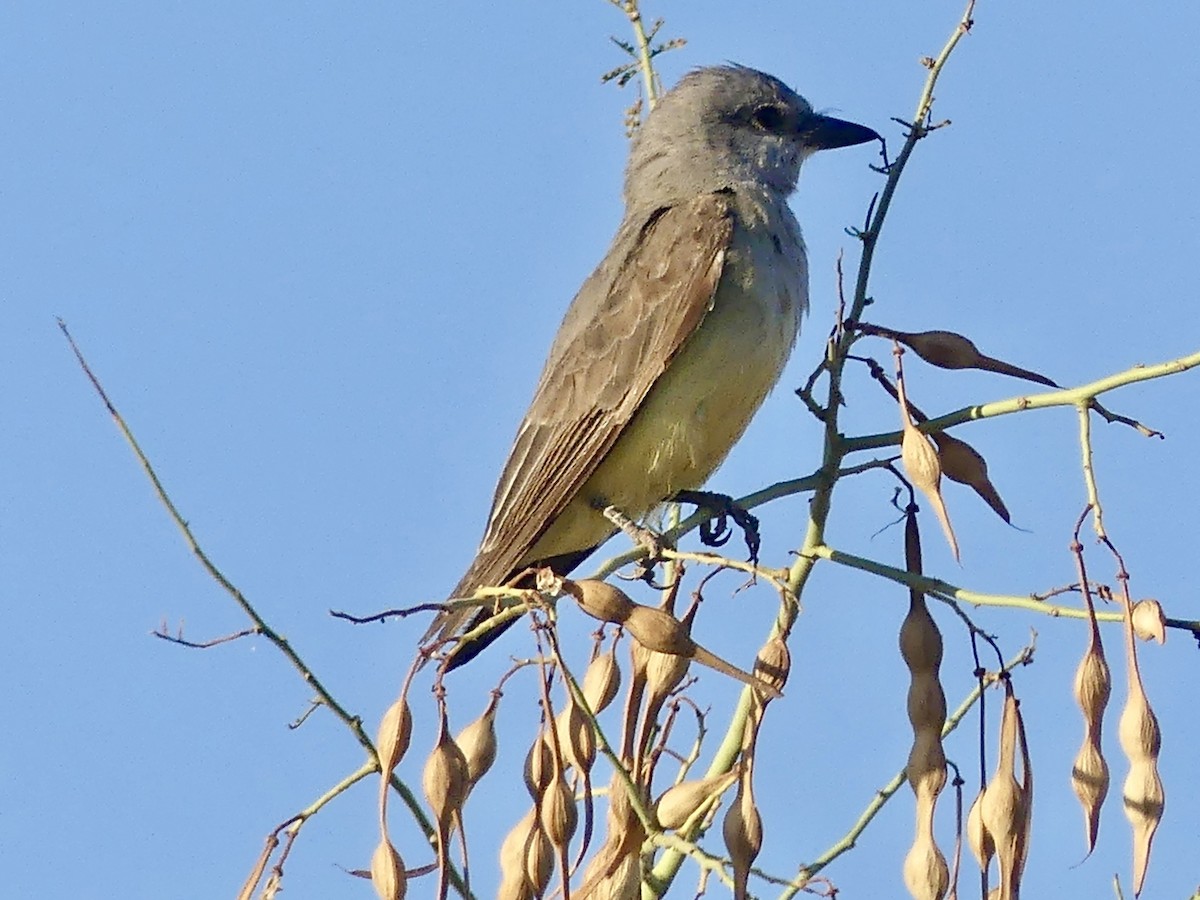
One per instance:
[(675, 339)]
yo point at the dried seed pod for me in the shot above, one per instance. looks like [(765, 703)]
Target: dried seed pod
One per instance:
[(1149, 621), (743, 833), (1143, 790), (948, 350), (526, 861), (602, 680), (658, 630), (773, 663), (539, 767), (622, 880), (445, 783), (681, 801), (1002, 806), (478, 743), (575, 737), (600, 600), (926, 874), (920, 462), (394, 736), (557, 812), (963, 463), (622, 843), (445, 777), (921, 647), (1089, 775), (387, 872), (977, 834)]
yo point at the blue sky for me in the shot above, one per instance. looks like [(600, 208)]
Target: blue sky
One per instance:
[(316, 254)]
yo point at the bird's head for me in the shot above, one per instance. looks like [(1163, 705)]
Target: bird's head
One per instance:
[(727, 125)]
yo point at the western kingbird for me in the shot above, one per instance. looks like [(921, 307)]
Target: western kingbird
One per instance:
[(676, 338)]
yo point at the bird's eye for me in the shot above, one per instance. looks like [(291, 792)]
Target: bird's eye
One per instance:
[(768, 117)]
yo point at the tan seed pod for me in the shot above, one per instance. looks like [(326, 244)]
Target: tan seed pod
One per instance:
[(1143, 790), (1093, 685), (600, 600), (1090, 780), (1149, 623), (601, 681), (978, 837), (948, 350), (445, 784), (539, 767), (445, 779), (394, 736), (1089, 775), (773, 663), (622, 881), (681, 801), (920, 462), (658, 630), (944, 349), (387, 872), (926, 762), (477, 742), (743, 832), (557, 812), (926, 874), (963, 463), (526, 861), (1002, 807), (575, 737), (920, 639)]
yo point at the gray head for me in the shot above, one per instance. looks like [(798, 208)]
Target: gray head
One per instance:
[(728, 125)]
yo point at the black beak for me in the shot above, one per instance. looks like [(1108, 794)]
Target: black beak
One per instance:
[(827, 133)]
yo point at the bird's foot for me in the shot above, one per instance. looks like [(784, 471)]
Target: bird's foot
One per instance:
[(716, 531), (646, 538)]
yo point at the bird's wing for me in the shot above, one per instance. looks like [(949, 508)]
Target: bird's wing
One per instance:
[(623, 329)]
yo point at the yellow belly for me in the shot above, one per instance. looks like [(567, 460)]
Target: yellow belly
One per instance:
[(703, 402)]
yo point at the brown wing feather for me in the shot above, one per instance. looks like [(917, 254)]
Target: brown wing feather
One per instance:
[(621, 332)]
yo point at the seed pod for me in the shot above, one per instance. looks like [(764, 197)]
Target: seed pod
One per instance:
[(921, 647), (1143, 791), (394, 736), (1002, 806), (1089, 775), (445, 783), (660, 631), (478, 743), (943, 349), (575, 737), (926, 874), (622, 880), (773, 663), (1149, 621), (977, 835), (963, 463), (600, 600), (681, 801), (743, 833), (622, 844), (557, 812), (539, 767), (526, 861), (445, 777), (948, 350), (921, 463), (387, 872), (601, 681)]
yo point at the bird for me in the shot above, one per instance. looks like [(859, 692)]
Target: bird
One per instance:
[(673, 342)]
